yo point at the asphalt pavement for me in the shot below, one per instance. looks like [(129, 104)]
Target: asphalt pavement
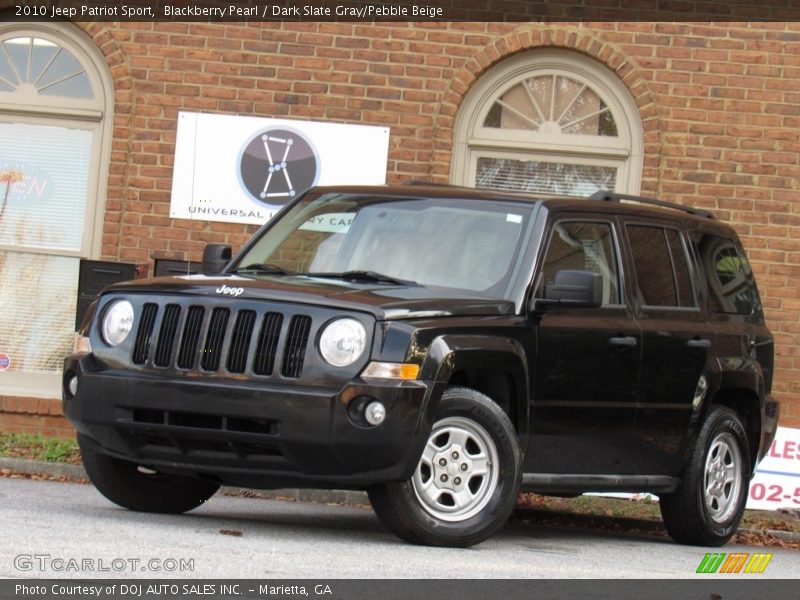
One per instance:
[(48, 527)]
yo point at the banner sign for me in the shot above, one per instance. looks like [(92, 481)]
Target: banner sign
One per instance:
[(244, 169), (777, 480)]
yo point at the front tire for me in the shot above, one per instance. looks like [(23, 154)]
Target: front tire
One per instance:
[(137, 488), (465, 485), (708, 505)]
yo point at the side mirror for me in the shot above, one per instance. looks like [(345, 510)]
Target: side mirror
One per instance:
[(573, 289), (215, 257)]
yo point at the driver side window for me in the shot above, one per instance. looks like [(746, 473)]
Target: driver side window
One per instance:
[(582, 246)]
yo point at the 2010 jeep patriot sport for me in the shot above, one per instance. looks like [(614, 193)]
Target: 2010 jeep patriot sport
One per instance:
[(441, 348)]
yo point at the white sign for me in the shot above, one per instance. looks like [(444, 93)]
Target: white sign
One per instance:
[(776, 483), (244, 169)]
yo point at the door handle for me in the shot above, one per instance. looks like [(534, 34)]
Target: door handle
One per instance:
[(699, 343), (623, 341)]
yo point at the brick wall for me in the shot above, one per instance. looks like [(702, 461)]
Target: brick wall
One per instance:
[(720, 106), (34, 415)]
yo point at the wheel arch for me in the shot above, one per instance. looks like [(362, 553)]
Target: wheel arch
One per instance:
[(745, 402), (494, 366)]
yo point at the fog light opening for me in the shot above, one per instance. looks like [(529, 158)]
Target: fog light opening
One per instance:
[(366, 411), (375, 413), (72, 385)]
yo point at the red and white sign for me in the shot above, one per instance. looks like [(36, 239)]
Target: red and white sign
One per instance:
[(777, 480)]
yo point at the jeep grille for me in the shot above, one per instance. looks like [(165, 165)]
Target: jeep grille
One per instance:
[(207, 338)]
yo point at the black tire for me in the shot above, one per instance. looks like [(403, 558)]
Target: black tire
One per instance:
[(702, 511), (469, 431), (128, 485)]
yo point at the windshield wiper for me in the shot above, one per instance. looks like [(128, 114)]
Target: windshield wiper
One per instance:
[(265, 268), (371, 276)]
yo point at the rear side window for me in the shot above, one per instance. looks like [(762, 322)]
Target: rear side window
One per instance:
[(731, 286), (662, 269)]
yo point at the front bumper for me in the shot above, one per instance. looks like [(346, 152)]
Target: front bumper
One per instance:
[(239, 432)]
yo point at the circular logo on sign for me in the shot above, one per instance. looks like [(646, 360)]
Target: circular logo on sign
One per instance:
[(5, 361), (276, 165)]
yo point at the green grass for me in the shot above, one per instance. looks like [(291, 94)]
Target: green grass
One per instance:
[(37, 447)]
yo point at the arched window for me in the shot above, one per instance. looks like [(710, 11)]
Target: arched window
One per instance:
[(35, 68), (56, 106), (549, 122)]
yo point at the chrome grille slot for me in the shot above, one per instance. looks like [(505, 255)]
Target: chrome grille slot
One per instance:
[(240, 341), (212, 351), (166, 336), (267, 346), (191, 336), (294, 353), (141, 348)]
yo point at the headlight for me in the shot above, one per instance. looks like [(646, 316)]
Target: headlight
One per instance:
[(117, 322), (342, 342)]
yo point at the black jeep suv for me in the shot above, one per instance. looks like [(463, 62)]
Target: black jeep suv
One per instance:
[(442, 348)]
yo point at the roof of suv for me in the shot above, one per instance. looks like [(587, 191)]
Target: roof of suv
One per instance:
[(602, 201)]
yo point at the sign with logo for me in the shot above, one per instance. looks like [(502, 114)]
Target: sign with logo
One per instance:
[(5, 361), (244, 169), (776, 483)]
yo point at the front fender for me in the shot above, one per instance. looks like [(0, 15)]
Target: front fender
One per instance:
[(449, 354)]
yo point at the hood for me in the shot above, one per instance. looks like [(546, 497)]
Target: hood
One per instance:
[(383, 301)]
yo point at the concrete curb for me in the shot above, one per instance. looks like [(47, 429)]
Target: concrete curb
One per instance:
[(643, 524), (77, 473), (41, 467), (787, 536)]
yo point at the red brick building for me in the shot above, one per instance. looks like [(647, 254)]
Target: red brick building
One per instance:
[(697, 113)]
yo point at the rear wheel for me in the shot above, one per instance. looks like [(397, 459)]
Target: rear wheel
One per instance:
[(708, 505), (466, 482), (142, 489)]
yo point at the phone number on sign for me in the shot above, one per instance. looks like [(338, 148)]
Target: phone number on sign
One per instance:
[(773, 493)]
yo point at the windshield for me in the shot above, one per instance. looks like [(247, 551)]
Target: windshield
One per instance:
[(459, 244)]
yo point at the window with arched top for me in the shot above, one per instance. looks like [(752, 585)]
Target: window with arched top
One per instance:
[(36, 67), (56, 105), (551, 123)]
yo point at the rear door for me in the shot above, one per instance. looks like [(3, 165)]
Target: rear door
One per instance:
[(677, 340)]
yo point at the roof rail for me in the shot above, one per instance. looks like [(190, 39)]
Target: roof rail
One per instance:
[(427, 183), (614, 197)]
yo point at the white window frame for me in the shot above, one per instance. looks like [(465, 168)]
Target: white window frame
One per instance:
[(95, 114), (472, 140)]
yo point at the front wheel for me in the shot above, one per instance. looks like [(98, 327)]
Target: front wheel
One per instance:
[(708, 505), (138, 488), (466, 482)]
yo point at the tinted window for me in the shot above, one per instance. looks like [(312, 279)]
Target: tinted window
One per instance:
[(731, 287), (662, 270), (583, 247)]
